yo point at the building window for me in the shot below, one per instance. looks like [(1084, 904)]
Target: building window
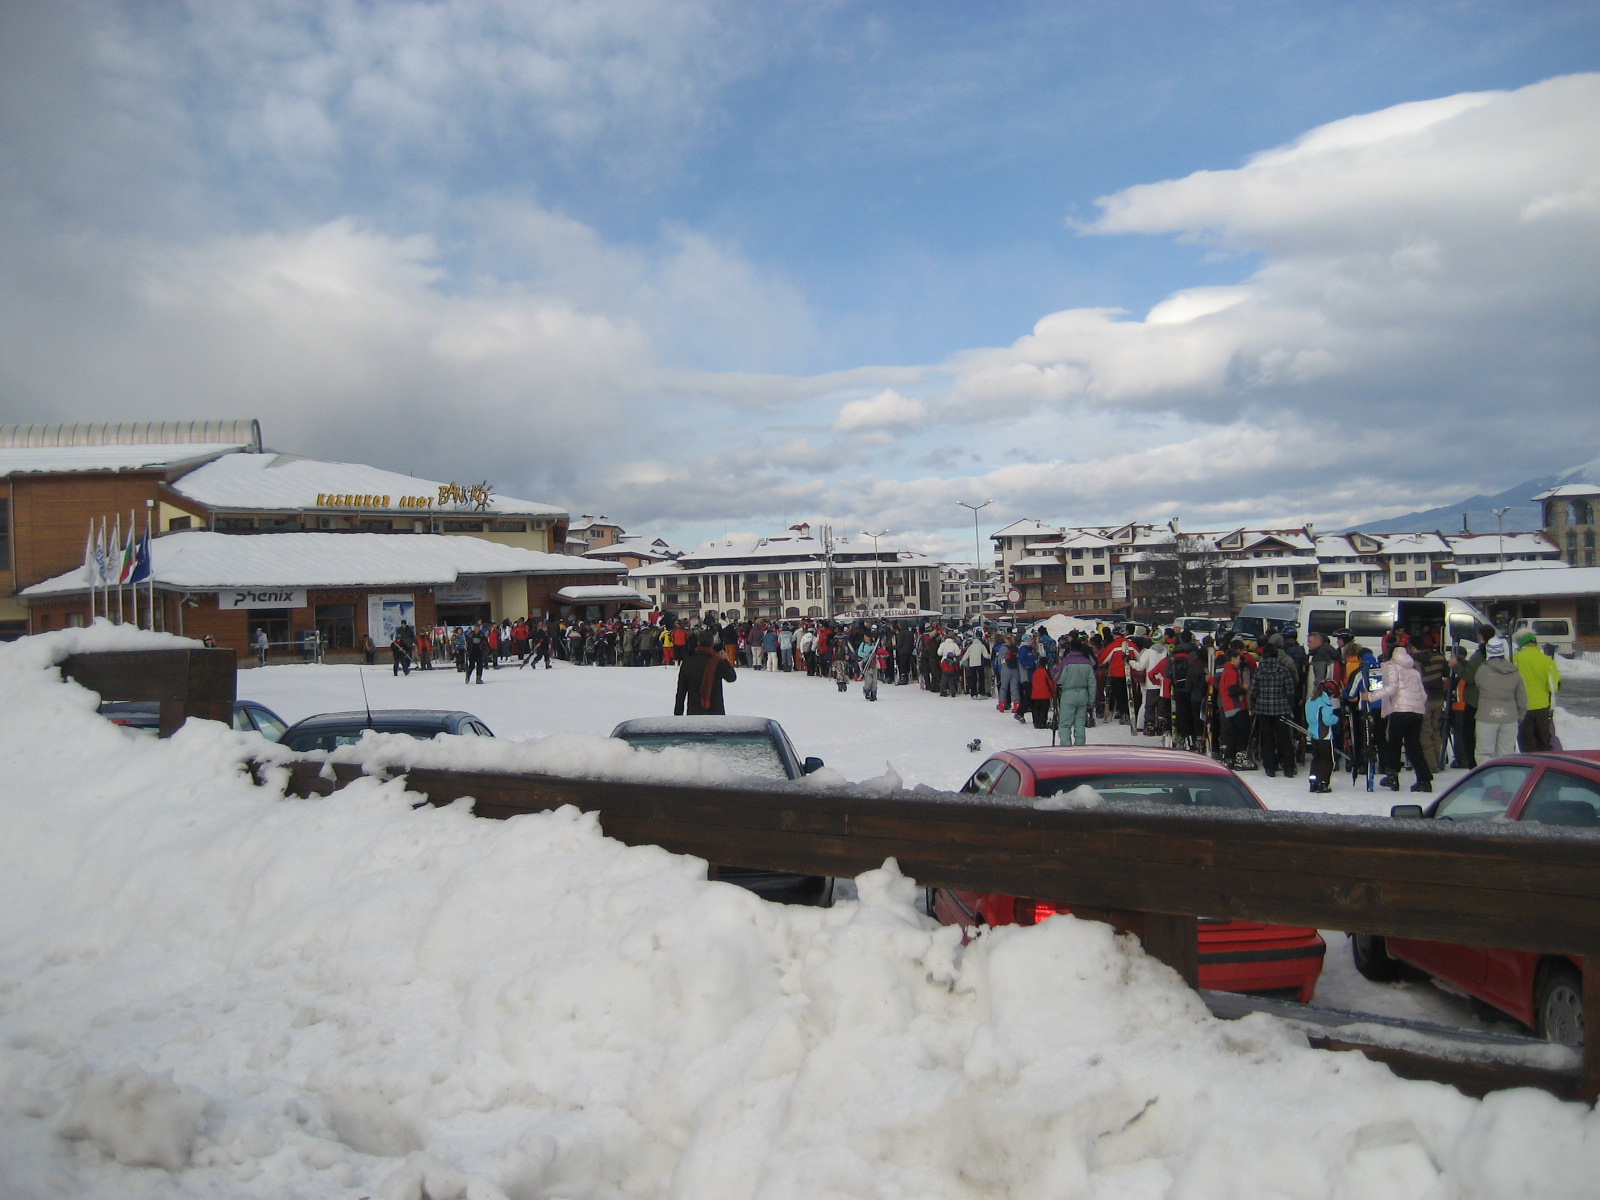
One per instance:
[(1077, 570), (511, 527), (1283, 589), (1100, 570), (1579, 513), (173, 523), (463, 526), (1399, 576), (1263, 589), (235, 524)]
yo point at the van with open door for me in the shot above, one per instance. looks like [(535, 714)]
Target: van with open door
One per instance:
[(1370, 617)]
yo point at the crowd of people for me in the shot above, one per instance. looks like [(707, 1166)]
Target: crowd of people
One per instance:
[(1277, 707)]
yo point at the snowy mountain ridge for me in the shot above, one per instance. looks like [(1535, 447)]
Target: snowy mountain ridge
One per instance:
[(1478, 511)]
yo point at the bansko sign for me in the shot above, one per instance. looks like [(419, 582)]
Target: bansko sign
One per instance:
[(262, 598)]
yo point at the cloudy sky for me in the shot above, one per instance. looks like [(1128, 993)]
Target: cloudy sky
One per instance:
[(710, 267)]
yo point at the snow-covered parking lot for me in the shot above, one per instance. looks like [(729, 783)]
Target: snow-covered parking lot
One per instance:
[(207, 992)]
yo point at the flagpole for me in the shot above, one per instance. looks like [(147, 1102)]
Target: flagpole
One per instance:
[(150, 564), (128, 564), (114, 576)]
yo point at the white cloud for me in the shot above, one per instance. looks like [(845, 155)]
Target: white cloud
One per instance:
[(1421, 266), (885, 411)]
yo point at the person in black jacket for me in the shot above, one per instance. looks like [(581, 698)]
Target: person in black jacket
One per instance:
[(700, 679)]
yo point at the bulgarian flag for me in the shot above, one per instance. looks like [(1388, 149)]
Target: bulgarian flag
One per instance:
[(130, 554)]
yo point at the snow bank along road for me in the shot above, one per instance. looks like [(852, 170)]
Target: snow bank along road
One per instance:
[(209, 992)]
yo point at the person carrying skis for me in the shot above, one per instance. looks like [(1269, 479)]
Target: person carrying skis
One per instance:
[(401, 648), (1114, 658), (874, 659), (1322, 718)]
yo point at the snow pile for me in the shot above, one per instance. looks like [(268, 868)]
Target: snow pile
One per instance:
[(1082, 796), (208, 991)]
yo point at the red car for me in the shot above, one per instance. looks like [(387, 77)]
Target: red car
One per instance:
[(1235, 956), (1544, 992)]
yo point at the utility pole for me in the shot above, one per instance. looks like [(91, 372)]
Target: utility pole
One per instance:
[(827, 572)]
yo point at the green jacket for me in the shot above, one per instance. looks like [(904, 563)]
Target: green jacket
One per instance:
[(1539, 675)]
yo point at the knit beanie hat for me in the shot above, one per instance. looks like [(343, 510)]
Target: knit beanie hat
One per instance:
[(1525, 637), (1497, 648)]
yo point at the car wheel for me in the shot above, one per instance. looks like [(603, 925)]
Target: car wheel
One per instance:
[(1371, 954), (1558, 1005)]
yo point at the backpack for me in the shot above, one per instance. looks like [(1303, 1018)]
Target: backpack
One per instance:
[(1178, 669)]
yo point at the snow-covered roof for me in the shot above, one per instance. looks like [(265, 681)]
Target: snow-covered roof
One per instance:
[(1027, 527), (1038, 560), (1413, 543), (1293, 538), (1535, 580), (1335, 545), (27, 460), (1292, 560), (201, 561), (635, 543), (600, 595), (1519, 544), (1570, 489), (800, 551), (1350, 568), (1465, 570), (287, 482), (1081, 539)]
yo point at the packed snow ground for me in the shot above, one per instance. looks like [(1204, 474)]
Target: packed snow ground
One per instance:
[(206, 991)]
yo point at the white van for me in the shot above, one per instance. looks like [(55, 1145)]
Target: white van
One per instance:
[(1202, 626), (1551, 631), (1370, 617)]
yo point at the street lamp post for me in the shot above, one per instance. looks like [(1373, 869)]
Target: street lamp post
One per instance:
[(876, 565), (977, 553), (1500, 515)]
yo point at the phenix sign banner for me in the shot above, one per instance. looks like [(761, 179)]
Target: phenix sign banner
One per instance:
[(262, 598)]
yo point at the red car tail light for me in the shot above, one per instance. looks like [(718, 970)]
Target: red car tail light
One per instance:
[(1031, 912)]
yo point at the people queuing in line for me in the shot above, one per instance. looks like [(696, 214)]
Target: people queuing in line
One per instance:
[(1406, 704)]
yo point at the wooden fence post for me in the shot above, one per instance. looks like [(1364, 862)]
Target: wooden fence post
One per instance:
[(201, 682)]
